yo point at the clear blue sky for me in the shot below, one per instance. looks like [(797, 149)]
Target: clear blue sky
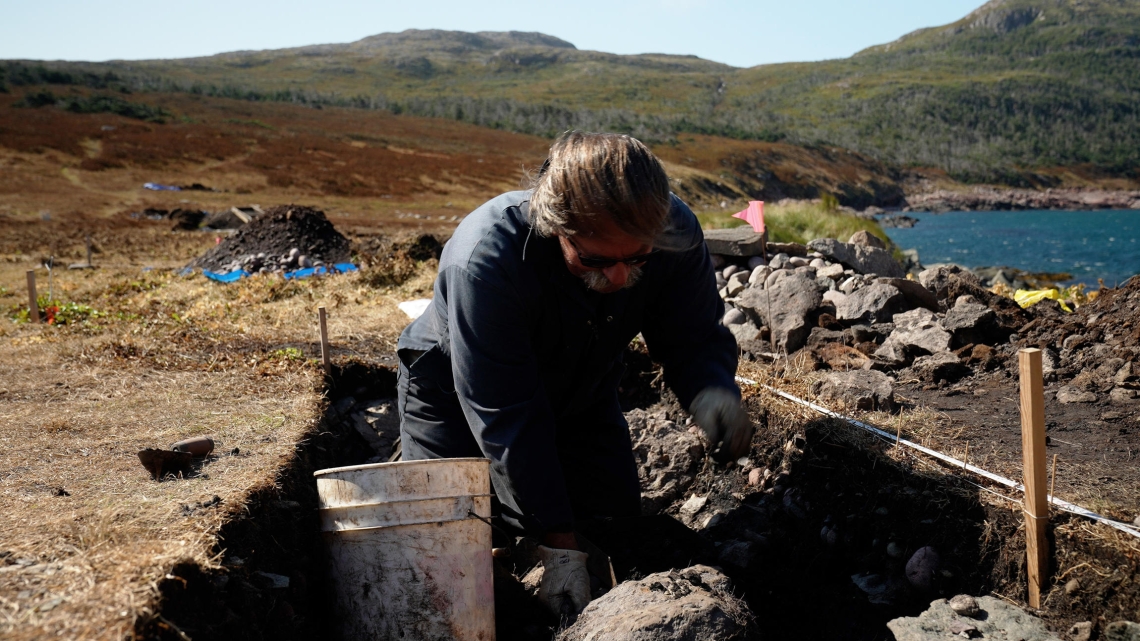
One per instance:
[(737, 32)]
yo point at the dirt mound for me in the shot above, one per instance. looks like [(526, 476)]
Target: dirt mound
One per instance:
[(284, 237)]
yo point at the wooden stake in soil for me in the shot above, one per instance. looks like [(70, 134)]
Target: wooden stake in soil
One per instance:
[(325, 340), (1033, 457), (33, 304)]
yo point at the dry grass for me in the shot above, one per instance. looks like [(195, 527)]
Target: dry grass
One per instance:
[(85, 533)]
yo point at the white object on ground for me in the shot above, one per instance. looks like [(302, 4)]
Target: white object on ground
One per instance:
[(414, 308)]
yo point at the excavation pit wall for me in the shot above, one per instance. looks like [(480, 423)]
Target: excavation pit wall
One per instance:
[(834, 511)]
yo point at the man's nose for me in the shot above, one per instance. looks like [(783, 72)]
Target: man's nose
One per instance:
[(617, 274)]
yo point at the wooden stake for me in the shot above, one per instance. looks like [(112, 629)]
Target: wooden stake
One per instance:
[(33, 304), (325, 358), (89, 263), (1034, 461)]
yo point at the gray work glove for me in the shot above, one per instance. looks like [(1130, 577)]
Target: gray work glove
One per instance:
[(565, 588), (726, 424)]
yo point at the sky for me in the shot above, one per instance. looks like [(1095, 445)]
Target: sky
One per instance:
[(738, 32)]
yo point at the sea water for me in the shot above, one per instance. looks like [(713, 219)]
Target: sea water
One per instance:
[(1089, 245)]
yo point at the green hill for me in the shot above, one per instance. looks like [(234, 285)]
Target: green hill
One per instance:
[(1014, 87)]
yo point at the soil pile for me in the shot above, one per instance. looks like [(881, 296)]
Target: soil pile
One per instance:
[(284, 237)]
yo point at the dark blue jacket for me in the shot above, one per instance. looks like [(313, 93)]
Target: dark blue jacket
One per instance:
[(522, 342)]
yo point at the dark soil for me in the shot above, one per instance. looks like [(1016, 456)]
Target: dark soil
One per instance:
[(274, 234)]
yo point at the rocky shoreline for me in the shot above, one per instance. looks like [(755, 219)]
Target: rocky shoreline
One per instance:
[(995, 199)]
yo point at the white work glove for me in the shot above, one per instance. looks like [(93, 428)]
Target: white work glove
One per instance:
[(565, 588), (717, 411)]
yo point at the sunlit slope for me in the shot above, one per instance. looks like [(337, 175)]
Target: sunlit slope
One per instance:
[(1015, 85)]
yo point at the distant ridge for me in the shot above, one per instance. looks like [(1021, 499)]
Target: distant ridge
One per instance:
[(1011, 90)]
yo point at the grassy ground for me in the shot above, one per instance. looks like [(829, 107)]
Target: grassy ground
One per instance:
[(799, 222)]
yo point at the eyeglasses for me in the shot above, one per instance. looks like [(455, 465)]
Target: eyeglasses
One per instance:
[(593, 262)]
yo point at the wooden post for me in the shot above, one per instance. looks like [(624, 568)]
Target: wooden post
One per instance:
[(1033, 457), (33, 304), (325, 340), (89, 263)]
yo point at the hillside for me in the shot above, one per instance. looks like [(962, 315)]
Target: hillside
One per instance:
[(1009, 93)]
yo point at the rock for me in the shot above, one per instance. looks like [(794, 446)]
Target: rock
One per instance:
[(1122, 631), (668, 458), (729, 270), (841, 357), (965, 605), (1081, 631), (943, 366), (792, 298), (759, 275), (738, 241), (938, 278), (755, 477), (817, 263), (821, 336), (971, 322), (797, 261), (693, 505), (748, 337), (1128, 373), (879, 589), (894, 550), (1070, 394), (694, 604), (304, 261), (738, 553), (873, 304), (863, 259), (862, 389), (999, 620), (916, 333), (866, 239), (834, 297), (833, 271), (733, 316), (1072, 586), (736, 284), (922, 567), (756, 261), (1122, 396), (916, 294)]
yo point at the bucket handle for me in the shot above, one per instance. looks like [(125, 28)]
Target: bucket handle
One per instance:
[(460, 508)]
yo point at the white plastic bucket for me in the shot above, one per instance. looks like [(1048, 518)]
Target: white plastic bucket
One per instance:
[(409, 561)]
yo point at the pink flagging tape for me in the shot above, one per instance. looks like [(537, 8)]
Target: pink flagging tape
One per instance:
[(1001, 480)]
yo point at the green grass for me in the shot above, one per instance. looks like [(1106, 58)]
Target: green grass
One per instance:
[(799, 222)]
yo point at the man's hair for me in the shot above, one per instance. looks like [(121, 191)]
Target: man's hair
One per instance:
[(591, 179)]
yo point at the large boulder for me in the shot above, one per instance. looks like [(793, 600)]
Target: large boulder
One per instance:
[(737, 241), (860, 389), (876, 303), (694, 604), (916, 333), (867, 239), (971, 322), (792, 297), (943, 366), (916, 294), (861, 258), (996, 620), (937, 278), (668, 458)]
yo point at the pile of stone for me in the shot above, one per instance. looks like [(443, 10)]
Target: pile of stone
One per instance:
[(1094, 352), (855, 309)]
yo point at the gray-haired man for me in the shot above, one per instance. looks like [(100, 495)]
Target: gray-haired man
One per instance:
[(519, 356)]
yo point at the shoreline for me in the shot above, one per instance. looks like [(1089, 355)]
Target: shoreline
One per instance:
[(998, 199)]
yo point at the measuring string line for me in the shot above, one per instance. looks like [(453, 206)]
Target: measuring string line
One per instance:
[(893, 438)]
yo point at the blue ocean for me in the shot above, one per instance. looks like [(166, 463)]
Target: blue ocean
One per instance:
[(1089, 245)]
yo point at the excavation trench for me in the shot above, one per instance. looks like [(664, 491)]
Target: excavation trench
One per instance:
[(830, 507)]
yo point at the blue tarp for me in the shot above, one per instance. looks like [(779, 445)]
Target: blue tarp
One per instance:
[(158, 187), (231, 277), (317, 271)]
